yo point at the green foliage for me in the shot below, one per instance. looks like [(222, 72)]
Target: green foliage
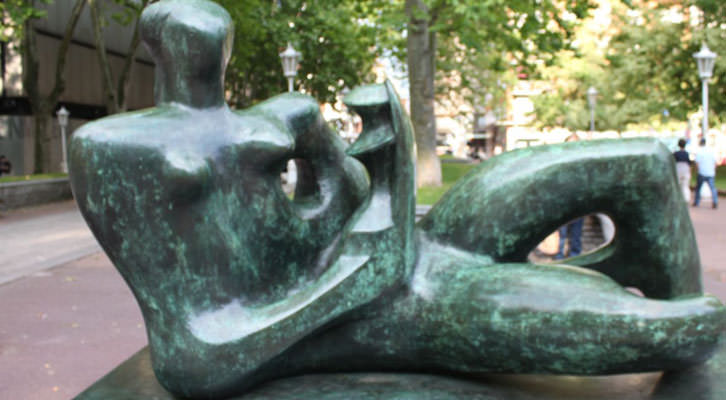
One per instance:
[(339, 42), (484, 45), (653, 69), (127, 12), (646, 69), (14, 13)]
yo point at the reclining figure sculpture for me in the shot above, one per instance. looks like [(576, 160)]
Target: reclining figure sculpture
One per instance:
[(238, 284)]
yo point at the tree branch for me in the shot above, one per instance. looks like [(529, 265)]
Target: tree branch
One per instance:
[(30, 64), (125, 76), (109, 92), (59, 86)]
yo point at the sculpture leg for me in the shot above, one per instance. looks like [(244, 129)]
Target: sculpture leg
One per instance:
[(466, 314), (509, 204)]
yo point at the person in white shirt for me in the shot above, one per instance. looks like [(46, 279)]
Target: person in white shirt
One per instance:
[(706, 162)]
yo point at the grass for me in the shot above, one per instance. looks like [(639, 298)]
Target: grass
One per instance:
[(450, 173), (31, 177)]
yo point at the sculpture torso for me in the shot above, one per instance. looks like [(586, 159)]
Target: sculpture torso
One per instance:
[(208, 199)]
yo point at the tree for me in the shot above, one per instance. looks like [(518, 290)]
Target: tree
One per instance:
[(43, 104), (646, 71), (651, 68), (14, 14), (126, 12), (637, 64), (339, 41), (525, 31)]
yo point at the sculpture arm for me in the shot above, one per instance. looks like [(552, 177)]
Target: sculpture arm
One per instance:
[(510, 203), (331, 185)]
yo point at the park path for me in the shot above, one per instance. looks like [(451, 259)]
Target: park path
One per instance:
[(64, 324), (36, 239)]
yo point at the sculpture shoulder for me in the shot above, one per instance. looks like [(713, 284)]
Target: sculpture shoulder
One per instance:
[(124, 126), (297, 112), (167, 128)]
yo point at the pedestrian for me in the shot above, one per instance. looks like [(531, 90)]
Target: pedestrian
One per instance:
[(5, 166), (683, 169), (572, 232), (706, 164)]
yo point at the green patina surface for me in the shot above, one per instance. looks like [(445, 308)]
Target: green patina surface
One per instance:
[(135, 379), (240, 285)]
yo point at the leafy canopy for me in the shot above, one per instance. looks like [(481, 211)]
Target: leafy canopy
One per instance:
[(14, 13), (339, 41), (646, 73)]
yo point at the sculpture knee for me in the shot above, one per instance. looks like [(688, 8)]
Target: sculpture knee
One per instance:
[(202, 372)]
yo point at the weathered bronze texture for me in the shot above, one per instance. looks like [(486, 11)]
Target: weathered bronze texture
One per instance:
[(134, 379), (240, 285)]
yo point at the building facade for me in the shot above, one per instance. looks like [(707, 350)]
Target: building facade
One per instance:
[(83, 95)]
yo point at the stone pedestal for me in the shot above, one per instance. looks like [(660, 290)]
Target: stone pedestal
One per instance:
[(134, 380)]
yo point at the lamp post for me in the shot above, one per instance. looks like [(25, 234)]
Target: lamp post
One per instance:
[(63, 115), (592, 100), (706, 60), (290, 59)]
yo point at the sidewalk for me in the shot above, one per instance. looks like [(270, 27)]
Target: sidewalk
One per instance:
[(64, 328), (710, 226), (35, 239)]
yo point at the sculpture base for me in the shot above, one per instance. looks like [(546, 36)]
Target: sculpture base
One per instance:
[(135, 380)]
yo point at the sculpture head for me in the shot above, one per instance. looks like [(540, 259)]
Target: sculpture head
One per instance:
[(191, 42)]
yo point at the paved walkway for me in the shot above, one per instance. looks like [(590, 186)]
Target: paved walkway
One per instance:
[(65, 327), (36, 239), (710, 226)]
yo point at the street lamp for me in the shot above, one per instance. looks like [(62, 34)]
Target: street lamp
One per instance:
[(592, 100), (290, 59), (706, 60), (63, 115)]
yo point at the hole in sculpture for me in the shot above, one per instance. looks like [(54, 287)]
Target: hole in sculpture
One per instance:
[(635, 291), (288, 178), (597, 231), (300, 184)]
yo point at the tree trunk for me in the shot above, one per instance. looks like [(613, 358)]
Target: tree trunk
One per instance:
[(109, 93), (41, 105), (31, 75), (421, 74), (115, 94), (41, 121)]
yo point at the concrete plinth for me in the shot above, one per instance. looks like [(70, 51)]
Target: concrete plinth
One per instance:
[(134, 379)]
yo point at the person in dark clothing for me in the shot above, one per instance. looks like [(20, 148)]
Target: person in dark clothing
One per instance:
[(572, 232), (5, 166), (683, 169)]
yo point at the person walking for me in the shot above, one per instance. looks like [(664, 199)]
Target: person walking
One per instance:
[(683, 169), (570, 233), (706, 164)]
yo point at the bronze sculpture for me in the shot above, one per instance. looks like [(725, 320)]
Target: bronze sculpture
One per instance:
[(239, 285)]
